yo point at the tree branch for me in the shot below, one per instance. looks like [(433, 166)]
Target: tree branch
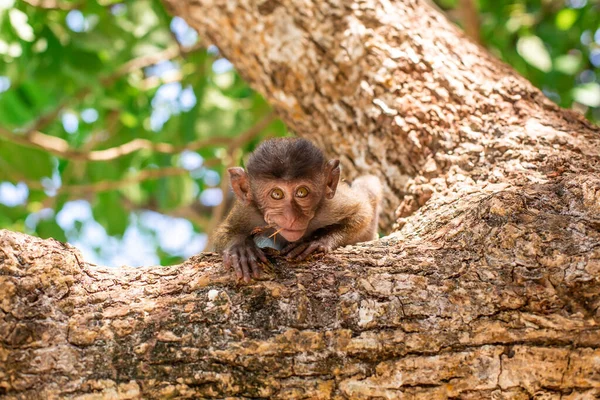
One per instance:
[(491, 290), (60, 147), (188, 212), (54, 4), (56, 146), (155, 81), (460, 312), (104, 186), (128, 67)]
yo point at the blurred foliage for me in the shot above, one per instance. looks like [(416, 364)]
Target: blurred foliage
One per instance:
[(94, 75), (85, 70), (555, 44)]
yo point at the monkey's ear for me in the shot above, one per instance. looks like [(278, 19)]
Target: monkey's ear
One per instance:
[(332, 177), (240, 184)]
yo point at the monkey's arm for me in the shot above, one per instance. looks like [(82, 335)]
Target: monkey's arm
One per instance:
[(236, 224), (350, 217), (234, 240)]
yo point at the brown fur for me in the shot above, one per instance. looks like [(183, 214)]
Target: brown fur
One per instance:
[(330, 216), (352, 215), (287, 159)]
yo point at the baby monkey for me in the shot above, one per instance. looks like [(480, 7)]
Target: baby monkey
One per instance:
[(289, 199)]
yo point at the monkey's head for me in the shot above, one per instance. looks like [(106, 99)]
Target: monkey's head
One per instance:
[(287, 180)]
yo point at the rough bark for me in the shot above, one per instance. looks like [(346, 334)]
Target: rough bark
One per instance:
[(394, 88), (491, 289)]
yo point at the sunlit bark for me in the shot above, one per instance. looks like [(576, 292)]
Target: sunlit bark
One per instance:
[(489, 287)]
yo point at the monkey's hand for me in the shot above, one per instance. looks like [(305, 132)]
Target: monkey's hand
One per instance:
[(243, 256), (300, 251)]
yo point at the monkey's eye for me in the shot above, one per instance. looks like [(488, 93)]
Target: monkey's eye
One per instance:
[(277, 194), (302, 192)]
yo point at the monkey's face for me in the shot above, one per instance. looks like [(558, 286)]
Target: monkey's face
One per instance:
[(290, 205)]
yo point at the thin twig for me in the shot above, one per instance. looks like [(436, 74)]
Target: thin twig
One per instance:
[(60, 147), (102, 186), (45, 119), (274, 235), (54, 4), (261, 229), (187, 212), (141, 62), (155, 81), (128, 67)]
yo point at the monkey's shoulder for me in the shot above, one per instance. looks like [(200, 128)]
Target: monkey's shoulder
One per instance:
[(245, 217)]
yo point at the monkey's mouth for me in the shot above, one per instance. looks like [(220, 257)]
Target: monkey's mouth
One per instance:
[(292, 235)]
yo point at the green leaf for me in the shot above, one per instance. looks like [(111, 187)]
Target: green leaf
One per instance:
[(175, 191), (135, 193), (587, 94), (109, 212), (21, 162), (532, 49), (128, 119), (13, 111), (18, 20), (48, 228), (224, 80), (568, 64), (8, 215), (566, 18)]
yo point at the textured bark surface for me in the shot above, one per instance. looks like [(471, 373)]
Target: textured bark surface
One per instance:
[(500, 302), (395, 89), (488, 288)]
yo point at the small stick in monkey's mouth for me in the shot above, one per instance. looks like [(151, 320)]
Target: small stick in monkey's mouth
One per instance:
[(274, 235), (260, 229), (276, 232)]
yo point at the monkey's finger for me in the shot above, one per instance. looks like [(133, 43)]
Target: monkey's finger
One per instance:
[(245, 268), (308, 251), (255, 263), (288, 248), (261, 255), (285, 250), (235, 260), (252, 260), (227, 261), (298, 250)]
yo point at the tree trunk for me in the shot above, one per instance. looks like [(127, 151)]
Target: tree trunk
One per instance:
[(488, 288)]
